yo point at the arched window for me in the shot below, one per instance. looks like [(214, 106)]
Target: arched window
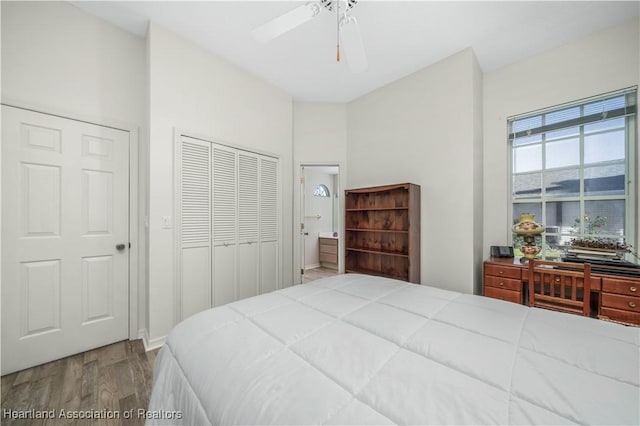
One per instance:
[(321, 191)]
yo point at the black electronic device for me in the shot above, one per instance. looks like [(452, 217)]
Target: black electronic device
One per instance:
[(501, 251)]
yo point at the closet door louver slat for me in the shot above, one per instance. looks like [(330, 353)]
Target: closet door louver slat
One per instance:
[(195, 197)]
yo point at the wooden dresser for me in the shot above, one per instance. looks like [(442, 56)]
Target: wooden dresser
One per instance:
[(617, 297)]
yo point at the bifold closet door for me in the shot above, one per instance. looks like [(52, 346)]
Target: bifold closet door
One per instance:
[(269, 230), (195, 232), (248, 238), (225, 221), (229, 236)]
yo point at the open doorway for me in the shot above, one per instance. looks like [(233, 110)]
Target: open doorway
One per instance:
[(320, 221)]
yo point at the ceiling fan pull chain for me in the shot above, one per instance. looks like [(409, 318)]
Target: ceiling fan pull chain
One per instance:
[(338, 30)]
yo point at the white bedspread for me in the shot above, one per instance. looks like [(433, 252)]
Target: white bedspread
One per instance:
[(356, 349)]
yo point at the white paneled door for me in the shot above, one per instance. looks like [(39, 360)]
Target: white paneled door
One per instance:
[(65, 250)]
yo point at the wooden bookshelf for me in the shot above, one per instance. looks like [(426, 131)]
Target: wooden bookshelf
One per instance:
[(382, 231)]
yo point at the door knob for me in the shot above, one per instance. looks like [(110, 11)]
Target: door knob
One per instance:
[(306, 233), (120, 247)]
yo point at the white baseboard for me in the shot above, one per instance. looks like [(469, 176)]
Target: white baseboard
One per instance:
[(142, 334), (150, 344), (312, 266), (155, 343)]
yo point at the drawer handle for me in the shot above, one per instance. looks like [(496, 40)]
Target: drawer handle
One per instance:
[(557, 279), (634, 289), (500, 272), (632, 304), (501, 283)]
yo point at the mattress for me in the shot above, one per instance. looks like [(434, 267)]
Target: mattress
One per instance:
[(357, 349)]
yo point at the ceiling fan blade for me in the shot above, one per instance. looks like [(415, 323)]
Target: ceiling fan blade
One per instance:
[(353, 45), (286, 22)]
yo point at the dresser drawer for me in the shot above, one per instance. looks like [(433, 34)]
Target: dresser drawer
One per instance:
[(611, 285), (329, 241), (505, 283), (620, 316), (508, 295), (503, 271), (619, 301), (330, 258), (325, 248)]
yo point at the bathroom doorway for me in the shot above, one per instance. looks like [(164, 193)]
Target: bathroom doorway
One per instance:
[(320, 221)]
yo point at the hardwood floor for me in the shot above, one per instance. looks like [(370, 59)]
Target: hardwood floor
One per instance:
[(317, 273), (107, 382)]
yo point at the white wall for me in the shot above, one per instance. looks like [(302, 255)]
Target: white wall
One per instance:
[(424, 129), (56, 56), (603, 62), (478, 168), (320, 138), (193, 91), (319, 132), (58, 59)]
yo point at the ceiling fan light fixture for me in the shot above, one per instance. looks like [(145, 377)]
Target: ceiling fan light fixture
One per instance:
[(286, 22), (347, 32)]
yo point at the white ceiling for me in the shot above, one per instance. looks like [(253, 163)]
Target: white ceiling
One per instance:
[(400, 37)]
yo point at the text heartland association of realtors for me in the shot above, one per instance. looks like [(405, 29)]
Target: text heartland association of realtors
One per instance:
[(139, 413)]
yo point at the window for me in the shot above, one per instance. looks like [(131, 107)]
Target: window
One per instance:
[(573, 167), (321, 191)]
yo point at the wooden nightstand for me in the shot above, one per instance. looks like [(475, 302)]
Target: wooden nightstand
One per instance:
[(502, 279)]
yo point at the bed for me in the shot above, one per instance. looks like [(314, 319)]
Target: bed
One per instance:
[(357, 349)]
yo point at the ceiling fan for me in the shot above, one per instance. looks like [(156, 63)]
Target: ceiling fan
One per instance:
[(347, 31)]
